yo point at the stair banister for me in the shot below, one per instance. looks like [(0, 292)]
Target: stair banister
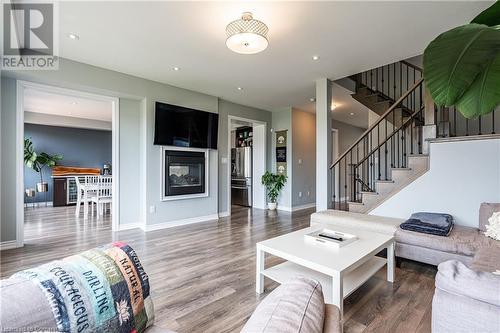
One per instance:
[(379, 120)]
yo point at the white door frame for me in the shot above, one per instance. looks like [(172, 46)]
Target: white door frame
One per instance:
[(21, 86), (264, 166)]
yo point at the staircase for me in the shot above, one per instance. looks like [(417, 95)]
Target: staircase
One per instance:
[(393, 151)]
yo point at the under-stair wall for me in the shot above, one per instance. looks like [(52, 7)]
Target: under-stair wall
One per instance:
[(463, 173)]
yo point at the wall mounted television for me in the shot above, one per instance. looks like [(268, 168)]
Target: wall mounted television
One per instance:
[(184, 127)]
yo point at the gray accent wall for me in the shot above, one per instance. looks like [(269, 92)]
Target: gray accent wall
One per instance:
[(87, 78), (347, 134), (79, 147), (8, 161), (303, 158)]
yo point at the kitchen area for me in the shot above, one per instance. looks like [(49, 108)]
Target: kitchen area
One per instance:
[(241, 164)]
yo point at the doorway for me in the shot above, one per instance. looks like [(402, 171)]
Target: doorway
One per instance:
[(247, 162), (77, 131)]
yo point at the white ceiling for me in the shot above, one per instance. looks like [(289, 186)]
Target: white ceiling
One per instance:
[(148, 39), (39, 101), (344, 106)]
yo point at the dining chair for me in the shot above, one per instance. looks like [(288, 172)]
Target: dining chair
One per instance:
[(104, 194), (86, 188)]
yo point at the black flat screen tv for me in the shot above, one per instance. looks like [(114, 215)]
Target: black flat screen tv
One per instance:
[(184, 127)]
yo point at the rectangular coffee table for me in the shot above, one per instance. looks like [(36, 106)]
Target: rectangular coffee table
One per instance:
[(340, 271)]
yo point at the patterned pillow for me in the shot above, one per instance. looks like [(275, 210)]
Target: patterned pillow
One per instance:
[(493, 228), (101, 290)]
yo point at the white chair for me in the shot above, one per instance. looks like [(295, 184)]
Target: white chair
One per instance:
[(87, 188), (103, 195)]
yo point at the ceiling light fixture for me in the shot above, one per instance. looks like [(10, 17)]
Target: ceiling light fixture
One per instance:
[(334, 106), (239, 88), (176, 68), (315, 57), (74, 103), (312, 99), (247, 35), (73, 36), (352, 113)]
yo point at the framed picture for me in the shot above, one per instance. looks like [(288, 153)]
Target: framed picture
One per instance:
[(280, 154)]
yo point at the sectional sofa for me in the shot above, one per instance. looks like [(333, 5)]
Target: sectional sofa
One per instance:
[(467, 295)]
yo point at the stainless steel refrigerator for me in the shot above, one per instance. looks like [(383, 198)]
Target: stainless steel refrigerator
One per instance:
[(241, 176)]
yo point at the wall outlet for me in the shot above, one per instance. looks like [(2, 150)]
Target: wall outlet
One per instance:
[(300, 161), (152, 209), (223, 160), (300, 194), (308, 193)]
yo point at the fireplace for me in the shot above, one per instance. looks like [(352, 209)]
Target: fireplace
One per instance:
[(184, 173)]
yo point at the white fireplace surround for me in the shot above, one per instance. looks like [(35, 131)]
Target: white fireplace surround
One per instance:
[(163, 175)]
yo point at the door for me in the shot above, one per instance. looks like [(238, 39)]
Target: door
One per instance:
[(60, 189)]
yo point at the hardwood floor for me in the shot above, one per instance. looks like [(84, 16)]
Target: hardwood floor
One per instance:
[(203, 275)]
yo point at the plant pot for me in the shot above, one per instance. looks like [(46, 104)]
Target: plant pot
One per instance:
[(42, 187), (272, 205)]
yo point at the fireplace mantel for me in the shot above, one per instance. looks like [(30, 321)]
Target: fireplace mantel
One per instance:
[(185, 173)]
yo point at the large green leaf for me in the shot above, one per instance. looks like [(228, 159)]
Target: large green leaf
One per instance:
[(454, 59), (490, 16), (484, 94)]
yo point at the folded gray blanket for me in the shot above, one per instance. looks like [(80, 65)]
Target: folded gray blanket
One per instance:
[(429, 223)]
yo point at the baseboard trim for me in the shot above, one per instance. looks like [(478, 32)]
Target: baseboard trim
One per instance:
[(7, 245), (40, 204), (302, 207), (177, 223), (129, 226), (225, 214), (296, 208)]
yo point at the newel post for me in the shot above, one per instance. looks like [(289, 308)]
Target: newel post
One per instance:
[(429, 128)]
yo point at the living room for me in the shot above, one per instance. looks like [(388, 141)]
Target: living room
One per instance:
[(347, 142)]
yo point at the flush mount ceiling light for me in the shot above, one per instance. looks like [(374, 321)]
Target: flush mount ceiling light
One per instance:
[(315, 57), (176, 68), (240, 88), (247, 35)]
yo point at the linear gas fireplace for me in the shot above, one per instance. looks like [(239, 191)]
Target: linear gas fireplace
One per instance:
[(184, 173)]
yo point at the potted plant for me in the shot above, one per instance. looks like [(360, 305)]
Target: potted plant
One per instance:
[(38, 162), (274, 184), (462, 65)]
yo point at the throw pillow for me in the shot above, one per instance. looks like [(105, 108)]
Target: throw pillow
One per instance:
[(493, 228)]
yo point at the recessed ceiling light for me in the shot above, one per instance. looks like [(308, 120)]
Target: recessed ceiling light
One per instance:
[(73, 36), (74, 103), (312, 99), (352, 113), (175, 68), (239, 88), (315, 57)]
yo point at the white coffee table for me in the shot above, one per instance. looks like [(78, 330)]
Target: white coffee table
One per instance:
[(340, 271)]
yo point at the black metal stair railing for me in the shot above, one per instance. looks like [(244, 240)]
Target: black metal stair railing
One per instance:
[(384, 145), (389, 81)]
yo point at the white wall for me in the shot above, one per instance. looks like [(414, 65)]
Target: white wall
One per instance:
[(462, 175)]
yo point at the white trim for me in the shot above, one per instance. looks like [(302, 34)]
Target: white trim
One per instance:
[(302, 207), (39, 204), (7, 245), (254, 123), (171, 224), (185, 196), (296, 208), (225, 214), (129, 226), (20, 86)]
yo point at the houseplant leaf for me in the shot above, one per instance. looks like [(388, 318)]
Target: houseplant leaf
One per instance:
[(490, 16), (454, 59), (484, 93)]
